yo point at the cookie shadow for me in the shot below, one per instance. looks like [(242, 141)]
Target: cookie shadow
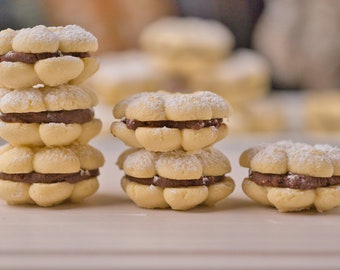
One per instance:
[(228, 204)]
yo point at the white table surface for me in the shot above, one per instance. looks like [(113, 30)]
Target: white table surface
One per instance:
[(108, 231)]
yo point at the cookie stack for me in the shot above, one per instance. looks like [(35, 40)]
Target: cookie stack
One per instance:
[(172, 162), (46, 117)]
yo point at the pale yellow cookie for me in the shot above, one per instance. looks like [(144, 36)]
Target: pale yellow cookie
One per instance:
[(48, 176), (58, 70), (241, 78), (11, 71), (6, 37), (163, 121), (54, 128), (176, 179), (73, 38), (47, 55), (49, 134), (62, 97), (123, 74), (293, 176), (186, 45), (321, 111)]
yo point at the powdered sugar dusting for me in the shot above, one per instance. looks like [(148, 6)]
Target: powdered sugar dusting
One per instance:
[(318, 160), (20, 101), (6, 37), (35, 40), (220, 107), (74, 35), (162, 105), (140, 161), (147, 107), (334, 154), (180, 107)]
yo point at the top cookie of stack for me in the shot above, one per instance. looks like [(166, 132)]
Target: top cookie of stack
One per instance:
[(46, 55), (162, 121)]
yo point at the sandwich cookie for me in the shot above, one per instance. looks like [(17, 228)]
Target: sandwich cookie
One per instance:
[(48, 176), (48, 115), (293, 176), (46, 55), (175, 179), (163, 121), (184, 46)]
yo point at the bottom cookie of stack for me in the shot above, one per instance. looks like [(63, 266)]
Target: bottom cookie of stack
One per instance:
[(48, 176), (175, 179)]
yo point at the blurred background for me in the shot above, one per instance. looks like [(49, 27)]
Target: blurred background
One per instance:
[(282, 57)]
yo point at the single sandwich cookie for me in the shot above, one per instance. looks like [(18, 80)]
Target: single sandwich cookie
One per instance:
[(162, 121), (175, 179), (46, 55), (293, 176), (48, 176), (48, 116), (184, 46)]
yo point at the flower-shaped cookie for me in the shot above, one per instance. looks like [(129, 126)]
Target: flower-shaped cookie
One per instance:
[(48, 176), (49, 115), (162, 121), (176, 179), (186, 45), (293, 176), (46, 55)]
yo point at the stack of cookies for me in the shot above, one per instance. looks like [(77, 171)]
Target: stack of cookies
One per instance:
[(172, 162), (46, 117)]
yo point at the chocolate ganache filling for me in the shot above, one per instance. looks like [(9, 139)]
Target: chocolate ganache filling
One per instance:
[(171, 183), (190, 124), (31, 58), (294, 181), (49, 178), (80, 116)]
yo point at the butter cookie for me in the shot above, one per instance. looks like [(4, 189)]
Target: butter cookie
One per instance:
[(123, 74), (48, 176), (293, 176), (46, 55), (184, 46), (175, 179), (163, 121), (49, 115)]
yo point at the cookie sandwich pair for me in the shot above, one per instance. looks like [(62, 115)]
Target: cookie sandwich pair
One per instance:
[(293, 176), (46, 117), (172, 162)]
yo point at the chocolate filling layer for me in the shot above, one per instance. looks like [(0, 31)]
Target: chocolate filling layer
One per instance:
[(66, 117), (171, 183), (31, 58), (50, 178), (192, 124), (295, 181)]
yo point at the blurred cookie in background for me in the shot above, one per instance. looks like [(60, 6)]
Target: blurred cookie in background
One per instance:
[(301, 40), (116, 23), (185, 45), (265, 115), (241, 78), (321, 111), (123, 74)]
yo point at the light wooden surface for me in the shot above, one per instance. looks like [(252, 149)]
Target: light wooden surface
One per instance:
[(109, 232)]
